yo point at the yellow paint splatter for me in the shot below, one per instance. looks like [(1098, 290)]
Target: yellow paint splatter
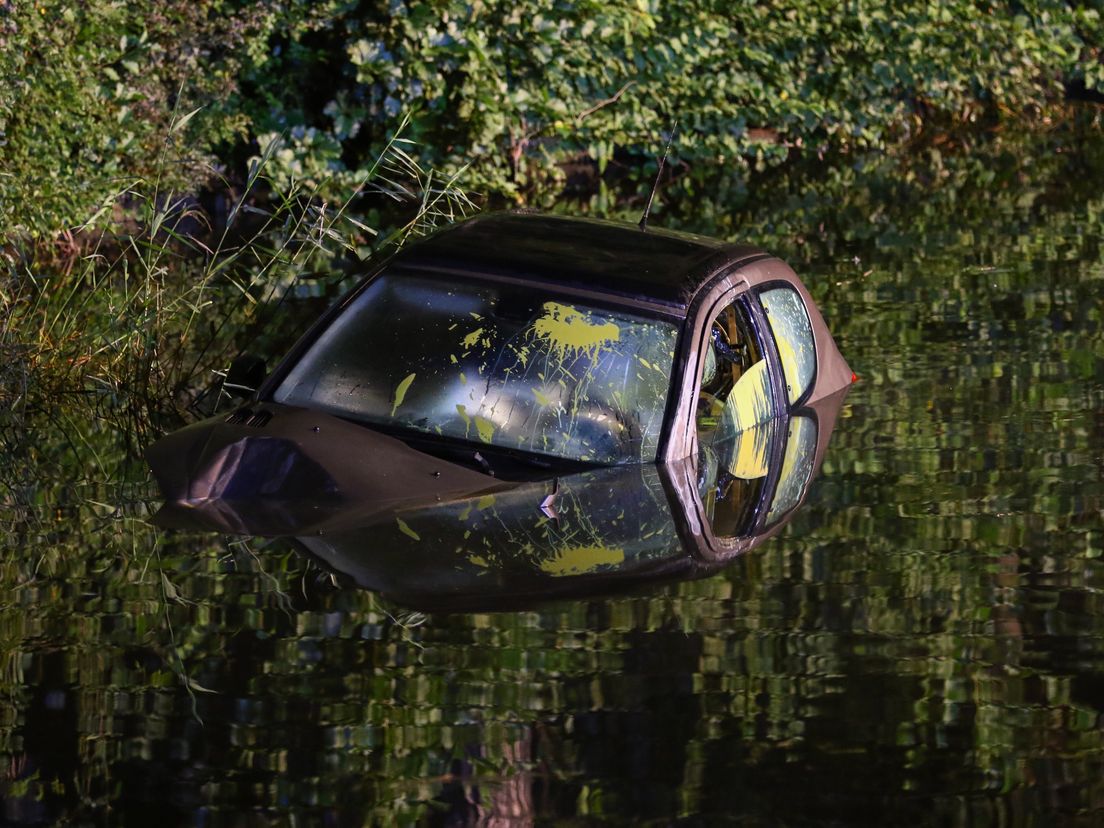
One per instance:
[(749, 457), (478, 560), (400, 392), (567, 331), (485, 428), (582, 559), (463, 378), (453, 359), (749, 402), (485, 502), (522, 355), (542, 398), (406, 530), (472, 338)]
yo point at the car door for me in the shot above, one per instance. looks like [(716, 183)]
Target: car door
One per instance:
[(755, 443)]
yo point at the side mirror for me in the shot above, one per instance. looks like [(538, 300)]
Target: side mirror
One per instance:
[(245, 376)]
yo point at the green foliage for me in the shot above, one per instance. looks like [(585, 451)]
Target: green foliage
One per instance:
[(928, 629), (90, 90), (532, 96), (521, 91)]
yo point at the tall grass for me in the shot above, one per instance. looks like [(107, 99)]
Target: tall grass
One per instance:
[(124, 336)]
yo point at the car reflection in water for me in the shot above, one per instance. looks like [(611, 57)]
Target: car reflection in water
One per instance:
[(510, 545)]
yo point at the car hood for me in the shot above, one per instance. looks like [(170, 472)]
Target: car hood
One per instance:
[(271, 469)]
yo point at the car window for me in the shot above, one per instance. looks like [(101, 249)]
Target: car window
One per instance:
[(732, 479), (797, 467), (509, 366), (736, 414), (793, 334), (736, 391)]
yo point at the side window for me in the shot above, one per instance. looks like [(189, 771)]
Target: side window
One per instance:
[(789, 322), (735, 392), (797, 467), (735, 422)]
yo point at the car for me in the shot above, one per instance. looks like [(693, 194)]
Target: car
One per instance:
[(509, 352)]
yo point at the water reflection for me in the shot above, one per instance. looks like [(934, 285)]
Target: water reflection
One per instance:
[(515, 544)]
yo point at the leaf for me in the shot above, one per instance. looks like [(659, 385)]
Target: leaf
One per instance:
[(180, 124), (169, 588), (362, 226), (195, 685)]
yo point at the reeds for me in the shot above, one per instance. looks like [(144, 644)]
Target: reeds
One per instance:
[(125, 336)]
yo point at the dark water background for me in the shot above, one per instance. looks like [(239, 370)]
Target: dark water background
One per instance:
[(924, 645)]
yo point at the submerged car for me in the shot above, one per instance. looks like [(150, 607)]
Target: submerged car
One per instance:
[(508, 352)]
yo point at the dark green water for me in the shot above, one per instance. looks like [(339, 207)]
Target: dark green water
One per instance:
[(923, 646)]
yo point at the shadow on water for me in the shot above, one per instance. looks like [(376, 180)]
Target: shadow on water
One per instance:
[(921, 644)]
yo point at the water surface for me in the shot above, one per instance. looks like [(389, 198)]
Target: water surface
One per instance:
[(923, 645)]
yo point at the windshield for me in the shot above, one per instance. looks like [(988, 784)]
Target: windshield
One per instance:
[(509, 366)]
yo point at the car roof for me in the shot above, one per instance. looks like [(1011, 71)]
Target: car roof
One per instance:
[(652, 266)]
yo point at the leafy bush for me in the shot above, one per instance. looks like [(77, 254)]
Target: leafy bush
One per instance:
[(530, 94), (90, 91), (519, 90), (132, 333)]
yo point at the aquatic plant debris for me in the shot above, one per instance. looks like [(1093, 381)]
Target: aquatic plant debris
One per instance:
[(566, 330)]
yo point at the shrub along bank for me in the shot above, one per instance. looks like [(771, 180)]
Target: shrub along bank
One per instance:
[(94, 94)]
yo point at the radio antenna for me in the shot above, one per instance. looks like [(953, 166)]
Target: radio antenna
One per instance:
[(659, 172)]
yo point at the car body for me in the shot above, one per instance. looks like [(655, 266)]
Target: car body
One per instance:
[(513, 351)]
